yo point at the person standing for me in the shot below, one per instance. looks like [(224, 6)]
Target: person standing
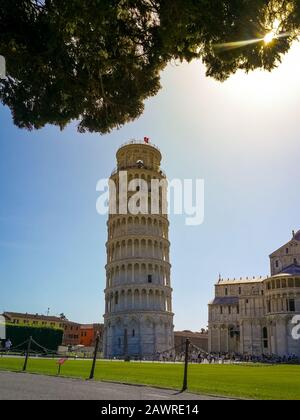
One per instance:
[(8, 345)]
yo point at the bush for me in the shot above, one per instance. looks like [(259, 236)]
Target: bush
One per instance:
[(45, 337)]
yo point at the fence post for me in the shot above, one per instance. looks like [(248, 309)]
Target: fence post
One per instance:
[(95, 357), (27, 354), (186, 365)]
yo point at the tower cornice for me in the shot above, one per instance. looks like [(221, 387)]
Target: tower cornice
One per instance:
[(134, 286), (137, 260), (137, 236)]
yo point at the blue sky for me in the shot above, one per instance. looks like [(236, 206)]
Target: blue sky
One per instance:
[(241, 137)]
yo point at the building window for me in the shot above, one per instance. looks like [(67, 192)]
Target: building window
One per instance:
[(238, 309), (269, 306), (140, 163), (117, 299), (229, 310), (240, 290), (226, 291), (120, 343), (292, 306), (265, 338), (287, 250), (277, 264), (221, 310), (149, 278), (133, 333), (295, 261)]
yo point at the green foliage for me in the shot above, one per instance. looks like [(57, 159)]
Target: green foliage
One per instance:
[(34, 326), (97, 61), (47, 337)]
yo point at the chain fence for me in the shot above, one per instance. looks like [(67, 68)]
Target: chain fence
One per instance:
[(191, 354)]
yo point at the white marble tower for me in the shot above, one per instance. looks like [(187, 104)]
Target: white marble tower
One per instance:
[(138, 295)]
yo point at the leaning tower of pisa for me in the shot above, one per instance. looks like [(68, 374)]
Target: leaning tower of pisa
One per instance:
[(138, 295)]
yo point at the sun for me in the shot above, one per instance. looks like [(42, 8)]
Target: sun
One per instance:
[(270, 36)]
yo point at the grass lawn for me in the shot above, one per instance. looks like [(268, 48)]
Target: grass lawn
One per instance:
[(245, 381)]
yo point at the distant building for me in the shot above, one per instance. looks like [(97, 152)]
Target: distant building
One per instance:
[(71, 335), (255, 315), (88, 334), (34, 320), (72, 331), (198, 339)]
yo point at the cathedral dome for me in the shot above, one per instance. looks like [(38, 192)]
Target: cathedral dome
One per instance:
[(297, 236)]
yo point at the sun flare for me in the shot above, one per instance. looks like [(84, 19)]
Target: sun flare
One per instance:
[(270, 36), (272, 32)]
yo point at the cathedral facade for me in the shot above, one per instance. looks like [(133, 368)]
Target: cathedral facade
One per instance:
[(138, 320), (256, 316)]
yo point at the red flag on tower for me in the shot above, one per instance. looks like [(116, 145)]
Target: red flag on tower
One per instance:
[(146, 140)]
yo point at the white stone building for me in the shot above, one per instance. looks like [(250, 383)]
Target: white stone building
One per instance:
[(138, 295), (255, 315)]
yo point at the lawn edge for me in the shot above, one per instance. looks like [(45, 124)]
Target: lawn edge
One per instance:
[(224, 397)]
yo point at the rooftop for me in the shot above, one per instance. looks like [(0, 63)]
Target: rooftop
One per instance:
[(133, 142), (227, 300), (26, 316), (34, 316), (229, 281), (291, 270), (190, 334)]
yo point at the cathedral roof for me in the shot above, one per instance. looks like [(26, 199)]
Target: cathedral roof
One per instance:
[(227, 300), (292, 269)]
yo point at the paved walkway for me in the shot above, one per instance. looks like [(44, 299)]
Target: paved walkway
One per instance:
[(20, 386)]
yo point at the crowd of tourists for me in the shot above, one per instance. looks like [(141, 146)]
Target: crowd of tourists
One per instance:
[(201, 357)]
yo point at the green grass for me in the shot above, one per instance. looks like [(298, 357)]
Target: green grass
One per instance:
[(280, 382)]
